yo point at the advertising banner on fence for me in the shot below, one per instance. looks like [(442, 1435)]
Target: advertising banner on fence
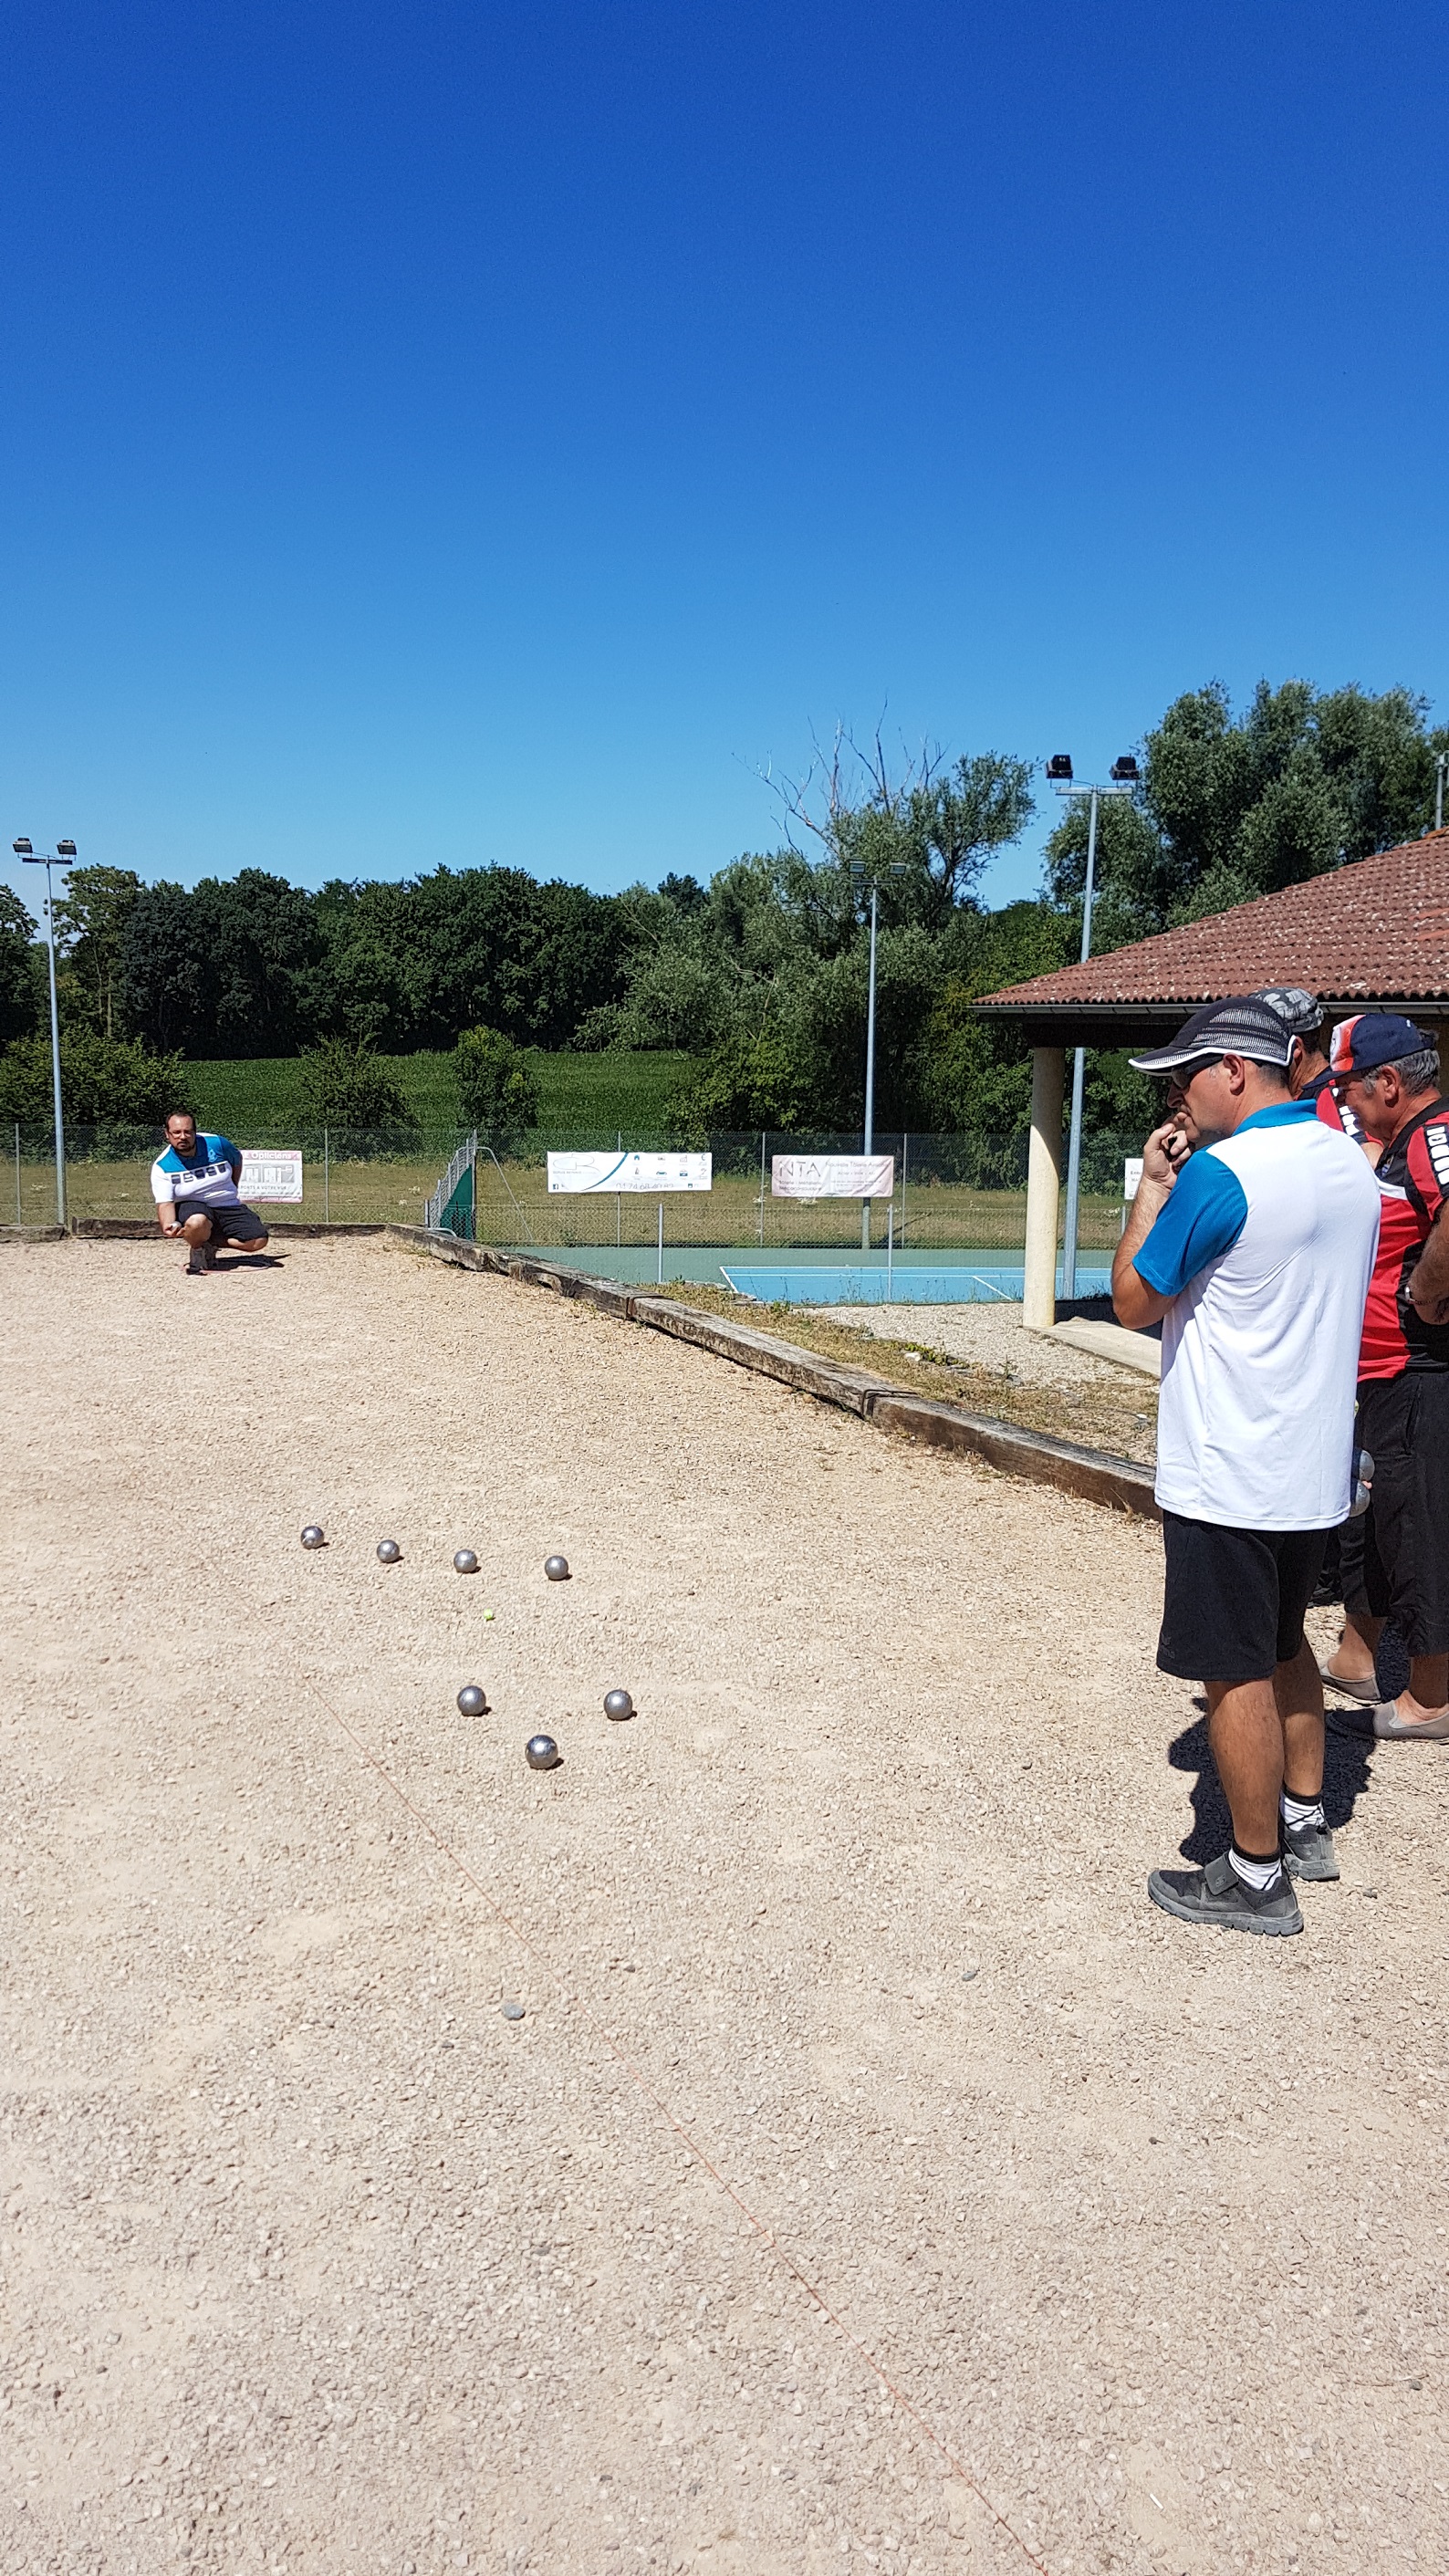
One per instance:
[(272, 1177), (651, 1175), (832, 1176)]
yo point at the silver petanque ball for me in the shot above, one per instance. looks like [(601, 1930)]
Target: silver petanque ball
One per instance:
[(542, 1752), (618, 1704), (312, 1536), (473, 1700), (388, 1552), (465, 1562), (556, 1568)]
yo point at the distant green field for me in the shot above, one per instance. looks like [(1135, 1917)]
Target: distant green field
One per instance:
[(594, 1092)]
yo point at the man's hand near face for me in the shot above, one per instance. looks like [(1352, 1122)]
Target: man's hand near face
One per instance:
[(1163, 1156)]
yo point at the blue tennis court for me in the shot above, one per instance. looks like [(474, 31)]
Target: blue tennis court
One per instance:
[(872, 1285)]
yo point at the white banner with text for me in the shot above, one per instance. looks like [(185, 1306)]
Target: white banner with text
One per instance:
[(832, 1176), (276, 1177), (649, 1175)]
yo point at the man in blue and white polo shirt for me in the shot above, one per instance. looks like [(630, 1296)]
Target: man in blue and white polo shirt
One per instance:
[(1252, 1236), (194, 1185)]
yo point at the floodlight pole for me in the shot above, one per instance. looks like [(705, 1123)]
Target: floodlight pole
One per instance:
[(47, 860), (869, 1075), (1124, 779)]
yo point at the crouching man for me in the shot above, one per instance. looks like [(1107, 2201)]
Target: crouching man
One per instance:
[(194, 1185), (1252, 1237)]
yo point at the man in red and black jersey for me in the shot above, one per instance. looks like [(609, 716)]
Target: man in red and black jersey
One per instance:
[(1386, 1073)]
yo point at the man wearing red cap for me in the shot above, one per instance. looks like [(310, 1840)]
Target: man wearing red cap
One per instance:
[(1386, 1074)]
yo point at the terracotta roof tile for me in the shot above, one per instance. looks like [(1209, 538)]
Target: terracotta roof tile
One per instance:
[(1376, 931)]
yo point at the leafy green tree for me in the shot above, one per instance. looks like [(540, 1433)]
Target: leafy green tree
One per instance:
[(1234, 806), (224, 970), (17, 970), (497, 1093), (345, 1086), (105, 1082), (746, 1083), (90, 928)]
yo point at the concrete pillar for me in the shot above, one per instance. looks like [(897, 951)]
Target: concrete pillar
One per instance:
[(1044, 1187)]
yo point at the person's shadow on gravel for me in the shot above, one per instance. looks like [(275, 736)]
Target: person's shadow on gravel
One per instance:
[(1345, 1773)]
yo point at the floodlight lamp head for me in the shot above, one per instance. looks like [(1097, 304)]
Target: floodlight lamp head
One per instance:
[(65, 849), (1125, 770), (22, 849), (1059, 769)]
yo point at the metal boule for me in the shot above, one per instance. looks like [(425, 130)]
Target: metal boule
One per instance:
[(465, 1562), (513, 2012), (556, 1568), (312, 1536), (388, 1552), (617, 1703), (473, 1700), (542, 1752)]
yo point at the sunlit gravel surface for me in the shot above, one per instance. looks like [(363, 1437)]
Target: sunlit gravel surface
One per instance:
[(313, 2259)]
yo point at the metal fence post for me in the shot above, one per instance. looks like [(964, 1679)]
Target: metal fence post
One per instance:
[(18, 1218), (326, 1179), (661, 1244), (762, 1188)]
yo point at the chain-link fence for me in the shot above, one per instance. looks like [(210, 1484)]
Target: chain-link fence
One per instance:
[(963, 1194)]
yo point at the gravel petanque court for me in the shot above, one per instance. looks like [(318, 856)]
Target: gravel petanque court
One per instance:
[(313, 2259)]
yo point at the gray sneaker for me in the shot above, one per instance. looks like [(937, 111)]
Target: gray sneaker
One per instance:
[(1308, 1852), (1216, 1895)]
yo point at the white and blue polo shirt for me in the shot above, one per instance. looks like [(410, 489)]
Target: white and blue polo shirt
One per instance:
[(208, 1180), (1265, 1247)]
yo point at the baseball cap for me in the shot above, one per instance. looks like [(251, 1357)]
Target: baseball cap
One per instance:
[(1243, 1026), (1298, 1011), (1373, 1038)]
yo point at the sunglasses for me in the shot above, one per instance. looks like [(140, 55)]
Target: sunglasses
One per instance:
[(1182, 1081)]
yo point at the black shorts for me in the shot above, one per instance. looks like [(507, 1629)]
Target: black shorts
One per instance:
[(1403, 1422), (228, 1224), (1235, 1599)]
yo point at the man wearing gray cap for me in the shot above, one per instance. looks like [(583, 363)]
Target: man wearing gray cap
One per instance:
[(1310, 1076), (1252, 1237)]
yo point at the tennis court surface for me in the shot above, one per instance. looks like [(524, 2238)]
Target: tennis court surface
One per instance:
[(869, 2159)]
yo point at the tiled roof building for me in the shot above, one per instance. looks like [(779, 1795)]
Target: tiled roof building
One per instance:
[(1373, 934)]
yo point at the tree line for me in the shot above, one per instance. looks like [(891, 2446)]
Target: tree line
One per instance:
[(759, 977)]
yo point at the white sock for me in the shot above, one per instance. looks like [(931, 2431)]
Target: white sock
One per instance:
[(1260, 1875), (1298, 1812)]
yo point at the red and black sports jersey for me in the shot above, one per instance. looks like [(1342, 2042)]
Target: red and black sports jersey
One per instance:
[(1331, 1111), (1413, 1179)]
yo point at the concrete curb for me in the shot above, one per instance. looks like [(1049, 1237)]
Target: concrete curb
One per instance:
[(1093, 1474)]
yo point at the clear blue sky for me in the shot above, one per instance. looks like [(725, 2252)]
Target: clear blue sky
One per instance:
[(448, 433)]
